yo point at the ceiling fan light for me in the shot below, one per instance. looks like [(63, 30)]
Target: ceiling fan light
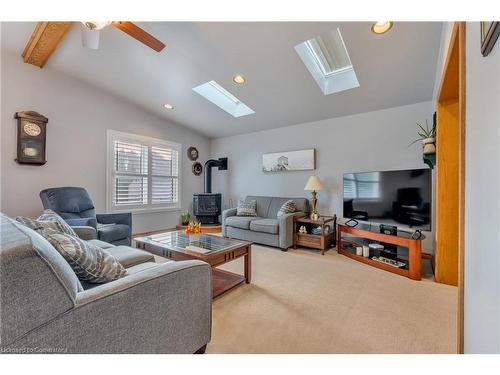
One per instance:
[(96, 25)]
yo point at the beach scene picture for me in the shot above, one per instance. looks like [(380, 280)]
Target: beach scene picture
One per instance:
[(301, 160)]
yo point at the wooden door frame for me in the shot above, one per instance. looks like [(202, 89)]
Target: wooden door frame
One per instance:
[(457, 40)]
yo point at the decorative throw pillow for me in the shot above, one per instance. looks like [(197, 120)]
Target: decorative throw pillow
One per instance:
[(48, 220), (246, 208), (287, 208), (90, 262)]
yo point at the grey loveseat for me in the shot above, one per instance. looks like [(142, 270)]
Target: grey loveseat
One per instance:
[(155, 308), (266, 228)]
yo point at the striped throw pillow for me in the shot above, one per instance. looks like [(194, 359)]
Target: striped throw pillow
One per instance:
[(246, 208), (287, 208), (90, 262), (48, 220)]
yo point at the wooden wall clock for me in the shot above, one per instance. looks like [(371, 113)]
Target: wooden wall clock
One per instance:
[(31, 137)]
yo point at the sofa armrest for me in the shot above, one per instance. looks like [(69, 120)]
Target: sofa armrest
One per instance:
[(153, 274), (82, 222), (286, 228), (225, 214), (85, 233), (162, 309), (115, 218)]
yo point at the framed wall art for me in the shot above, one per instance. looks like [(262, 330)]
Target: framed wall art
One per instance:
[(489, 35), (302, 160)]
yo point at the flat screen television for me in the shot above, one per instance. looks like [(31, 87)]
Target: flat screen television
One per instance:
[(401, 198)]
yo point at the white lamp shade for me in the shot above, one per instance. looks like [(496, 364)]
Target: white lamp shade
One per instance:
[(314, 184)]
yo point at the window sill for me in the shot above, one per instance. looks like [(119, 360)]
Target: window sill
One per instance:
[(145, 211)]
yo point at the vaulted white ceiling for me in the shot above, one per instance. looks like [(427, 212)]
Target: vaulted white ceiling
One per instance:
[(393, 69)]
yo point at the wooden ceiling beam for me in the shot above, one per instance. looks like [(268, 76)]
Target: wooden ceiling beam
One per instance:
[(44, 41)]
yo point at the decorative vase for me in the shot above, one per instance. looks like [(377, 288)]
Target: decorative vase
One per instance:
[(193, 238), (429, 146)]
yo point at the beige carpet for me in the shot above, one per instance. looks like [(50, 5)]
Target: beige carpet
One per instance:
[(302, 302)]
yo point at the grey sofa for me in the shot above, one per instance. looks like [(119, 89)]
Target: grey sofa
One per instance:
[(155, 308), (74, 205), (266, 228)]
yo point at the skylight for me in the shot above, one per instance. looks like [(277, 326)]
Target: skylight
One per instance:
[(327, 59), (222, 98)]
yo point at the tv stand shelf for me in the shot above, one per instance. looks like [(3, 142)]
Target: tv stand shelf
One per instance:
[(413, 270)]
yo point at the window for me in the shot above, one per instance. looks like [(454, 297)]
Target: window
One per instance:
[(142, 173), (362, 185), (327, 59), (223, 99)]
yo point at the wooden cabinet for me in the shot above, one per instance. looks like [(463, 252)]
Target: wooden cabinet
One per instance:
[(322, 241), (414, 266)]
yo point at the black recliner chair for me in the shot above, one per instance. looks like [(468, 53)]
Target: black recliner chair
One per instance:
[(74, 205)]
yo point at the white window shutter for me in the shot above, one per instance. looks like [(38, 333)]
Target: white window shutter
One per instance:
[(143, 173)]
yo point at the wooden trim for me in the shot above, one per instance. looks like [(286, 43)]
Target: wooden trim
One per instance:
[(44, 41), (451, 107), (461, 208)]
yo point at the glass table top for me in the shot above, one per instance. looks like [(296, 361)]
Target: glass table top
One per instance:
[(200, 243)]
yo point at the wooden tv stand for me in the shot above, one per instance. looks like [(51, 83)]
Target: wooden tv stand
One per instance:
[(414, 268)]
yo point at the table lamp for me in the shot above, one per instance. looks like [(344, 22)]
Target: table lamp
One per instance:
[(313, 185)]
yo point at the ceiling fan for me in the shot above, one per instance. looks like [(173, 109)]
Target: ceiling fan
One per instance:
[(91, 32)]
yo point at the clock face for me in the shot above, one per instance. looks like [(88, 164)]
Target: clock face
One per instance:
[(32, 129)]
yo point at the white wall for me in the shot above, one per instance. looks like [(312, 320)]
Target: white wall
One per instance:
[(370, 141), (482, 201), (76, 140)]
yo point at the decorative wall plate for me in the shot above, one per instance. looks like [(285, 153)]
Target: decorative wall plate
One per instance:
[(192, 153), (197, 168)]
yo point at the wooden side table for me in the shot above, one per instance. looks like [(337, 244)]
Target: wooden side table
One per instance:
[(322, 241)]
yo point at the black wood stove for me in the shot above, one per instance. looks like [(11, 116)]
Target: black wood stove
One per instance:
[(208, 206)]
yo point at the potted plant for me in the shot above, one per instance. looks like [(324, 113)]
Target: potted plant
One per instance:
[(185, 218), (427, 137)]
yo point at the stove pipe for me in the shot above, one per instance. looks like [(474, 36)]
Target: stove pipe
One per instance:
[(221, 163)]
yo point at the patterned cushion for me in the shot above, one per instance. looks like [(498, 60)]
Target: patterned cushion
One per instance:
[(287, 208), (48, 220), (90, 262), (246, 208)]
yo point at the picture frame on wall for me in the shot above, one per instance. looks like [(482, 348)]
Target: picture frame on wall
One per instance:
[(301, 160), (489, 35)]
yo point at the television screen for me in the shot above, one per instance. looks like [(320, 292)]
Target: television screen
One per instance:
[(401, 198)]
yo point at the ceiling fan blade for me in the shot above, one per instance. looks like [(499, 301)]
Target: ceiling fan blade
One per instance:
[(139, 34), (90, 38)]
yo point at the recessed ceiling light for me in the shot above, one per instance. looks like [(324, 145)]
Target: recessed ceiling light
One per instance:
[(168, 106), (381, 27), (239, 79)]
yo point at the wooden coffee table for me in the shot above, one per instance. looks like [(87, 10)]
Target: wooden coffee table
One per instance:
[(214, 250)]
